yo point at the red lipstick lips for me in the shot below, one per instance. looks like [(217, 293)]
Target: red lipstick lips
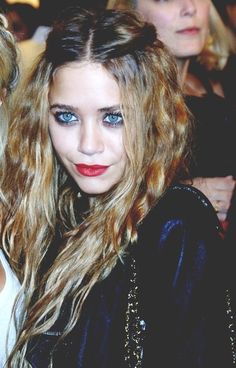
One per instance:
[(91, 170)]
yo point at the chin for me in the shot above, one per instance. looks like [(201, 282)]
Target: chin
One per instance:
[(93, 190), (189, 50), (189, 53)]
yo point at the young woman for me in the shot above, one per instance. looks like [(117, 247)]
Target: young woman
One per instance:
[(118, 264), (9, 284)]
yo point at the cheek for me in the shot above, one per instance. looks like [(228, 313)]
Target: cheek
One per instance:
[(167, 37), (163, 26), (116, 147), (146, 13), (115, 150), (204, 16), (163, 20), (59, 140), (147, 10), (205, 30)]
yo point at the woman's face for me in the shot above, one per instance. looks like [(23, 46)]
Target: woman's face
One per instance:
[(181, 24), (86, 125)]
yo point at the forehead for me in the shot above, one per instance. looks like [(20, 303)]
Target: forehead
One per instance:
[(170, 3), (88, 82), (79, 69)]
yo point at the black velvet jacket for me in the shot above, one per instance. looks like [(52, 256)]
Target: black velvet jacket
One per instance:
[(180, 309)]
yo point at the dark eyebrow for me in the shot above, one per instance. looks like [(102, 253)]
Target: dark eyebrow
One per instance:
[(110, 108), (63, 107), (73, 108)]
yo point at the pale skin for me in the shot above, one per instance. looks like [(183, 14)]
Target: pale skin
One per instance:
[(86, 125), (183, 26)]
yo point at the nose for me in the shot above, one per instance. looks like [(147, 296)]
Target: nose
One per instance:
[(90, 138), (188, 7)]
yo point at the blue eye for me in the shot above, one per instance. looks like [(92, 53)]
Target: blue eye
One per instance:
[(65, 117), (113, 119)]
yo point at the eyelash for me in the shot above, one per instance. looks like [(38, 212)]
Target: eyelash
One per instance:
[(113, 114), (59, 114), (60, 118)]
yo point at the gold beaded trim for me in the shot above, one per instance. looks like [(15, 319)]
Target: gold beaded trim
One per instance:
[(231, 326), (135, 327)]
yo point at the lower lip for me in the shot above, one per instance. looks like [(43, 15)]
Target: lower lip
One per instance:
[(189, 32), (91, 170)]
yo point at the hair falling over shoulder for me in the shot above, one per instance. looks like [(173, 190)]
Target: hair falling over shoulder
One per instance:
[(155, 118), (9, 75)]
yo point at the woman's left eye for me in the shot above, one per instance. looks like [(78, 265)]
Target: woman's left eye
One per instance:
[(65, 117), (113, 119)]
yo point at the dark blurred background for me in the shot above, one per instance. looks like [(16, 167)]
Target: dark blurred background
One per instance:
[(25, 16)]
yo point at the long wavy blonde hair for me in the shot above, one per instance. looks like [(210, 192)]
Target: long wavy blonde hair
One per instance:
[(219, 44), (39, 192), (9, 75)]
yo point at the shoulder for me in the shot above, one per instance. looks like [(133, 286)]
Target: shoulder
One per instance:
[(185, 203), (178, 258), (187, 194), (182, 219), (179, 237)]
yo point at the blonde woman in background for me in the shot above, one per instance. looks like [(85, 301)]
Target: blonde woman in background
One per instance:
[(193, 29), (9, 284)]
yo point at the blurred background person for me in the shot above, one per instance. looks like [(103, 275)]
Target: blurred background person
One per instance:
[(22, 19), (186, 27)]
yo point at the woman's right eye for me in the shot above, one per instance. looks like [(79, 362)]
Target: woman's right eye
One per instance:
[(113, 119), (65, 117)]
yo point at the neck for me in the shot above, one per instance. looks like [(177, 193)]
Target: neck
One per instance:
[(182, 65)]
